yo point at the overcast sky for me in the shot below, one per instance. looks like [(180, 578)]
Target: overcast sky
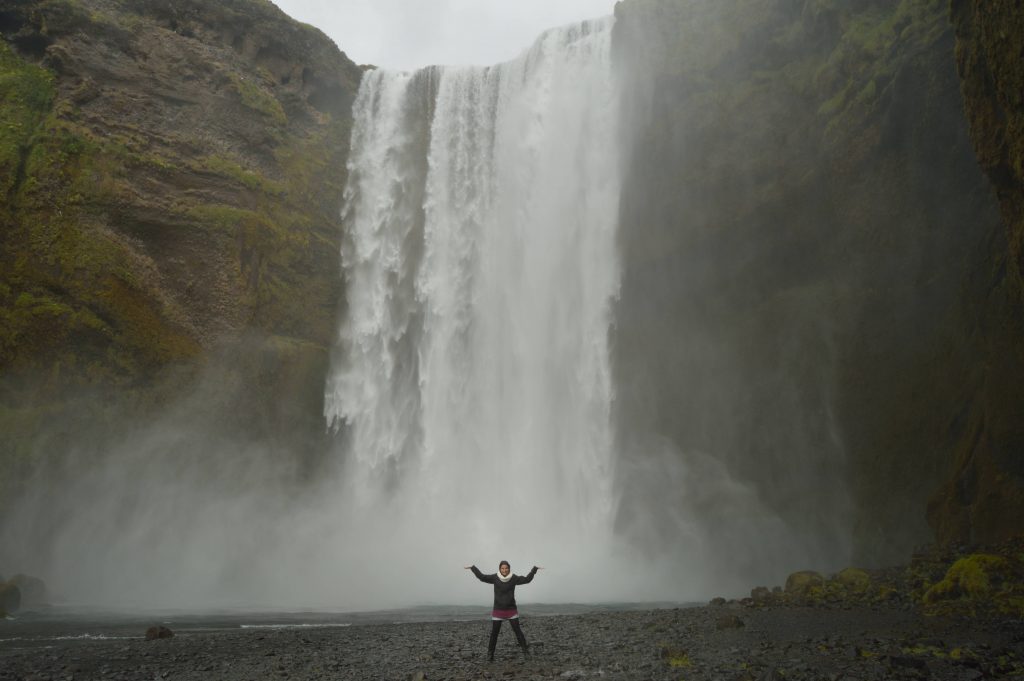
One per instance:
[(408, 34)]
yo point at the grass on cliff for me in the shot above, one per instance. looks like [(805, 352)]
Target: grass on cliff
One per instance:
[(26, 93), (71, 299)]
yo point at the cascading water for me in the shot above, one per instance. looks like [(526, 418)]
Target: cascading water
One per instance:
[(472, 374)]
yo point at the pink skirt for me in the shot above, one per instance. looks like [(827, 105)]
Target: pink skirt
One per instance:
[(504, 614)]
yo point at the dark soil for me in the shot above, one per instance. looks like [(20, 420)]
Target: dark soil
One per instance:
[(709, 642)]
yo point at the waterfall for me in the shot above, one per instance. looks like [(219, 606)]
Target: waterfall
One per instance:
[(471, 375)]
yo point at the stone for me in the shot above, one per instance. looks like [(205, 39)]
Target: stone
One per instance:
[(801, 583), (33, 590), (154, 633), (10, 598), (718, 600), (854, 579), (728, 622), (904, 662), (760, 594)]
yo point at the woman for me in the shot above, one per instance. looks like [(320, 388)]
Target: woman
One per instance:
[(505, 603)]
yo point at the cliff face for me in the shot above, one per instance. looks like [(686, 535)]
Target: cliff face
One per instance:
[(807, 238), (172, 174), (984, 498)]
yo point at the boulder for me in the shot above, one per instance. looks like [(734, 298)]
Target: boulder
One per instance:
[(976, 576), (854, 579), (801, 583), (717, 600), (33, 590), (10, 598), (153, 633), (729, 622), (760, 594)]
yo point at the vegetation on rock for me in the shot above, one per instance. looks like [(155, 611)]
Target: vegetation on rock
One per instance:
[(172, 176)]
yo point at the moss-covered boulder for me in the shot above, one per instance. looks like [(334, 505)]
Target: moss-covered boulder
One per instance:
[(974, 576), (33, 590), (804, 582), (854, 579), (10, 598)]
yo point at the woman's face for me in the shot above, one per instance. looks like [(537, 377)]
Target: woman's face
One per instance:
[(503, 569)]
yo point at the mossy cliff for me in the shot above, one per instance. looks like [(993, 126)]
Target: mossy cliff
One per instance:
[(810, 255), (171, 177), (983, 501)]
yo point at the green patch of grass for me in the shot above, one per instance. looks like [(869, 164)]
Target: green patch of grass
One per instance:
[(677, 658), (26, 94), (258, 98), (226, 167)]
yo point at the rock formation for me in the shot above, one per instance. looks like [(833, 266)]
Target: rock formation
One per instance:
[(818, 293), (172, 177)]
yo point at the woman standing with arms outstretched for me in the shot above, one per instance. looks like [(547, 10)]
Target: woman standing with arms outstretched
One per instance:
[(505, 603)]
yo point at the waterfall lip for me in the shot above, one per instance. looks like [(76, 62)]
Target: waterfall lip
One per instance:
[(585, 27)]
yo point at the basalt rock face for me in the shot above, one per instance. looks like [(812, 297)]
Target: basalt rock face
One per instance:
[(172, 176), (808, 250), (983, 501)]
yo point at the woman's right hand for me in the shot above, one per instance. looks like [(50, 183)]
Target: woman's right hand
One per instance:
[(468, 567)]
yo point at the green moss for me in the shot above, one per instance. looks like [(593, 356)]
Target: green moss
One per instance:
[(676, 658), (26, 93), (680, 661), (854, 579), (805, 582), (974, 576), (258, 98), (874, 44), (226, 167)]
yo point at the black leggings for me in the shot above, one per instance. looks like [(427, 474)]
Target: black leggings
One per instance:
[(496, 627)]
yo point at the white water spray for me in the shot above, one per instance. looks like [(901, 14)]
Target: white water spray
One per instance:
[(473, 376)]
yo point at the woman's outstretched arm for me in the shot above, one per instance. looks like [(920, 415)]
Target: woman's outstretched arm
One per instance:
[(487, 579), (528, 578)]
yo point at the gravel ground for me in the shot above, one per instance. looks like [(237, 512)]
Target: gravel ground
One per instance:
[(708, 642)]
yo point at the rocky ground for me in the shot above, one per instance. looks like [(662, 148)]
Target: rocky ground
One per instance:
[(730, 641)]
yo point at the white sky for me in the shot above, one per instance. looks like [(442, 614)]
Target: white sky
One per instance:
[(409, 34)]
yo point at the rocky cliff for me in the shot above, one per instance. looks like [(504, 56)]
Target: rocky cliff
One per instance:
[(983, 500), (172, 176), (814, 266)]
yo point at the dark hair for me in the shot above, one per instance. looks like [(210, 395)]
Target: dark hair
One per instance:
[(505, 562)]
